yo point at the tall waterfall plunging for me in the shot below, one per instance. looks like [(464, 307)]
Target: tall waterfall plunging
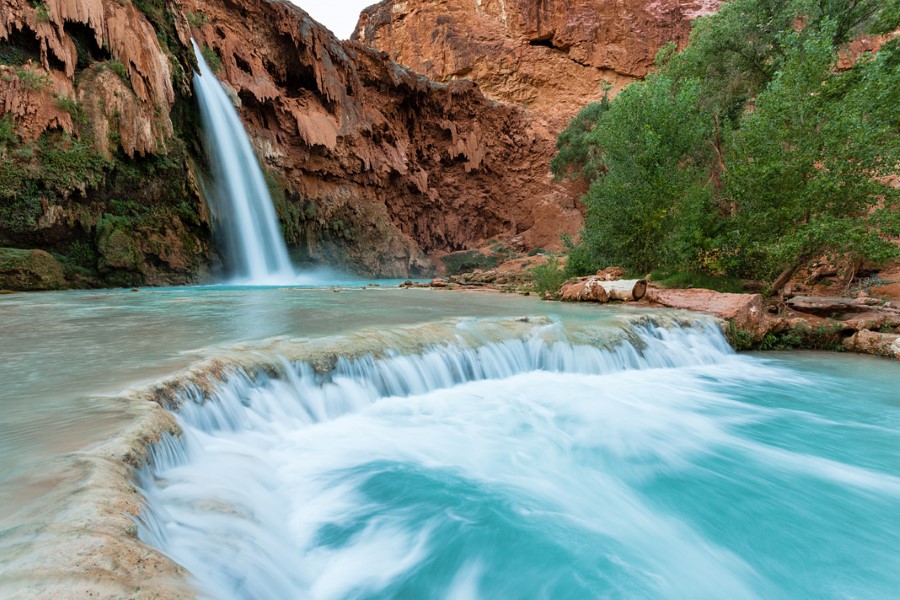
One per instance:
[(242, 206)]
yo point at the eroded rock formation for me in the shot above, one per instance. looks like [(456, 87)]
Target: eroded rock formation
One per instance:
[(551, 55), (376, 159), (372, 165)]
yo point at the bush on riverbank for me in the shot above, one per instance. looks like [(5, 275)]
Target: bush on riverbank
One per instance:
[(749, 153)]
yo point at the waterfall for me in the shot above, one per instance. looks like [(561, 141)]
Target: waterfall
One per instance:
[(243, 210)]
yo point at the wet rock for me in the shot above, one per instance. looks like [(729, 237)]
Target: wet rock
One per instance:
[(25, 270), (744, 310)]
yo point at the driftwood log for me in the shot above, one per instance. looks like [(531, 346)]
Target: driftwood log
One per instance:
[(592, 289), (584, 290), (626, 290), (823, 306)]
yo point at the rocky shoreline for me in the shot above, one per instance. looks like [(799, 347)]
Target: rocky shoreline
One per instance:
[(863, 323)]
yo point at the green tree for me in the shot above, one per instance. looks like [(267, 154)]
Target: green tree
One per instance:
[(577, 156), (807, 165), (654, 146), (748, 153)]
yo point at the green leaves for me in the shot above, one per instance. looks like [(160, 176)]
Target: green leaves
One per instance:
[(748, 152), (808, 160), (651, 140), (577, 155)]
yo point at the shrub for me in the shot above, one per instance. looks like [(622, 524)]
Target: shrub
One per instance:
[(196, 19), (8, 135), (32, 80), (42, 15), (469, 260), (549, 277), (119, 69), (212, 59)]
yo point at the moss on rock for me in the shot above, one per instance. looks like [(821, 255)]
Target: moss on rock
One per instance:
[(116, 246), (29, 270)]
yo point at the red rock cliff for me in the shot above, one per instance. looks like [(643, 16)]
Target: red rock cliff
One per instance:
[(373, 165), (393, 166), (550, 55)]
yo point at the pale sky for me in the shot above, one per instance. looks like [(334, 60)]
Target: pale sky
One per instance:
[(339, 16)]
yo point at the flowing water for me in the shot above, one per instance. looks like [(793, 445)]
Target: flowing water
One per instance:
[(242, 206), (427, 444), (65, 357), (569, 459)]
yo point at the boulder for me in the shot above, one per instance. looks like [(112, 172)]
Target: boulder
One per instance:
[(26, 270), (871, 342), (827, 306), (876, 319), (744, 310)]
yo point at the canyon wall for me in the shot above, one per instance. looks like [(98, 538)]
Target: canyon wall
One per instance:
[(551, 56), (372, 166), (396, 168)]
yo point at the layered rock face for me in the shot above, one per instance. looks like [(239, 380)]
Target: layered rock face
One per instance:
[(376, 160), (91, 166), (371, 165), (551, 55)]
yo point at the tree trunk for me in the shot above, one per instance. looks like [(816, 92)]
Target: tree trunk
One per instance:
[(786, 275), (625, 289)]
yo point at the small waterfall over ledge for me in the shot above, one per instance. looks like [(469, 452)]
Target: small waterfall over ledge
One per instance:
[(521, 459), (244, 214)]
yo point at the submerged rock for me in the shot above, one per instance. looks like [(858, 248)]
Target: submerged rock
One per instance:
[(25, 270)]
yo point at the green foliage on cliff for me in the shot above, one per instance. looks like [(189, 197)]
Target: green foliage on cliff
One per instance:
[(749, 152), (577, 155), (212, 59)]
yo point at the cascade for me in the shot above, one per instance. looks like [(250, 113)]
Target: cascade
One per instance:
[(554, 462), (243, 212)]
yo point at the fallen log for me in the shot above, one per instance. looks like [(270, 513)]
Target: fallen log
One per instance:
[(626, 290), (587, 290)]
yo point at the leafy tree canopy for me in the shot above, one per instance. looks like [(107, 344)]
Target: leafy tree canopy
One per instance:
[(750, 152)]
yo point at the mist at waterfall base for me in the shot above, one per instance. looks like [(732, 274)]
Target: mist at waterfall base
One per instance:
[(244, 216), (537, 467)]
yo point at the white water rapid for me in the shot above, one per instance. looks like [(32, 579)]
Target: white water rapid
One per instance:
[(552, 462), (243, 212)]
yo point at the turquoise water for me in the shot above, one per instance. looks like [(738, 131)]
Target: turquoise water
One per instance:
[(666, 467), (66, 357), (542, 461)]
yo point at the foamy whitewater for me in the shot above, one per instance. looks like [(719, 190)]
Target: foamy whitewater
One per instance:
[(543, 466)]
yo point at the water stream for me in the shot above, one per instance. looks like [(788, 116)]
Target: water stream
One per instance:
[(569, 460), (428, 444), (242, 206)]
